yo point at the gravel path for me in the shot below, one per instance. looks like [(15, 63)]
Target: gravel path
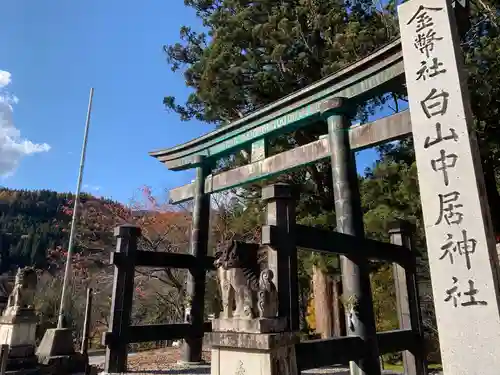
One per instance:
[(205, 369), (165, 362)]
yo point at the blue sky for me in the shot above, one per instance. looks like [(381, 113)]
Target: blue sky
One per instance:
[(54, 51)]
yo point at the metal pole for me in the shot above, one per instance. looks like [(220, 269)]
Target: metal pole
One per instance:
[(67, 271), (86, 324)]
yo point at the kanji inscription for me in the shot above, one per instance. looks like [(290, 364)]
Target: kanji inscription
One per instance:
[(425, 35), (240, 370), (463, 297), (450, 208), (430, 69), (439, 136), (436, 103), (422, 19), (463, 246), (443, 163)]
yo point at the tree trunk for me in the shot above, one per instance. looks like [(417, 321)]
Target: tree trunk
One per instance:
[(338, 308), (323, 305), (492, 193), (304, 299)]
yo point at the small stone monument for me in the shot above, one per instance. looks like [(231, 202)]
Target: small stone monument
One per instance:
[(248, 336), (18, 324)]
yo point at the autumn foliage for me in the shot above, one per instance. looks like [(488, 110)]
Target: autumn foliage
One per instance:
[(158, 292)]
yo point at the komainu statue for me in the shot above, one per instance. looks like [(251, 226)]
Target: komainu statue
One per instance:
[(245, 282), (23, 293)]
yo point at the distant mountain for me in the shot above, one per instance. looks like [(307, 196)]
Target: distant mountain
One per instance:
[(33, 224)]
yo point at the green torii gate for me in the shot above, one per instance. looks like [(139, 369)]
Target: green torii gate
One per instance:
[(332, 100)]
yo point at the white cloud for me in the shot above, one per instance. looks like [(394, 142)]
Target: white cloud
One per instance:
[(12, 147), (92, 187), (4, 78)]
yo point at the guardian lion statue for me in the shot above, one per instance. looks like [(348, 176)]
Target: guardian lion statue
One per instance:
[(23, 293), (245, 282)]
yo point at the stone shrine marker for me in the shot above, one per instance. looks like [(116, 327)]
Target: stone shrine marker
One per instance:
[(461, 248)]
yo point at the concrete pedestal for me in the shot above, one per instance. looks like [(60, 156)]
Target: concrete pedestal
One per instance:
[(19, 332), (252, 353), (261, 349), (56, 351)]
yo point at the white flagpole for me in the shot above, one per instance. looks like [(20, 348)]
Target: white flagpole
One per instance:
[(67, 271)]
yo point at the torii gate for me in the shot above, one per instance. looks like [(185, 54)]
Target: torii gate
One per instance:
[(462, 322)]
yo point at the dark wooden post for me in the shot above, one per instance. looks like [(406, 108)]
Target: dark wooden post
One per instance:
[(86, 330), (4, 358), (123, 259), (355, 274), (408, 302), (192, 349), (282, 258), (86, 323)]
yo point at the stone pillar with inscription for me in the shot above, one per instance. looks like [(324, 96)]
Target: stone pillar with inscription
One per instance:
[(248, 336), (18, 325), (460, 243), (360, 320)]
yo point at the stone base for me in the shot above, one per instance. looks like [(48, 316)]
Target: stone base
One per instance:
[(22, 360), (260, 325), (18, 330), (19, 366), (67, 364), (250, 353), (56, 342), (56, 351)]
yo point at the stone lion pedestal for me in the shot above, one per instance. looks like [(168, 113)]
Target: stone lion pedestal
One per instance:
[(19, 332), (18, 325), (249, 338), (256, 346)]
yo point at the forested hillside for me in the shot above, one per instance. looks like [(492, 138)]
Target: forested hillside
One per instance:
[(35, 228), (34, 224)]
